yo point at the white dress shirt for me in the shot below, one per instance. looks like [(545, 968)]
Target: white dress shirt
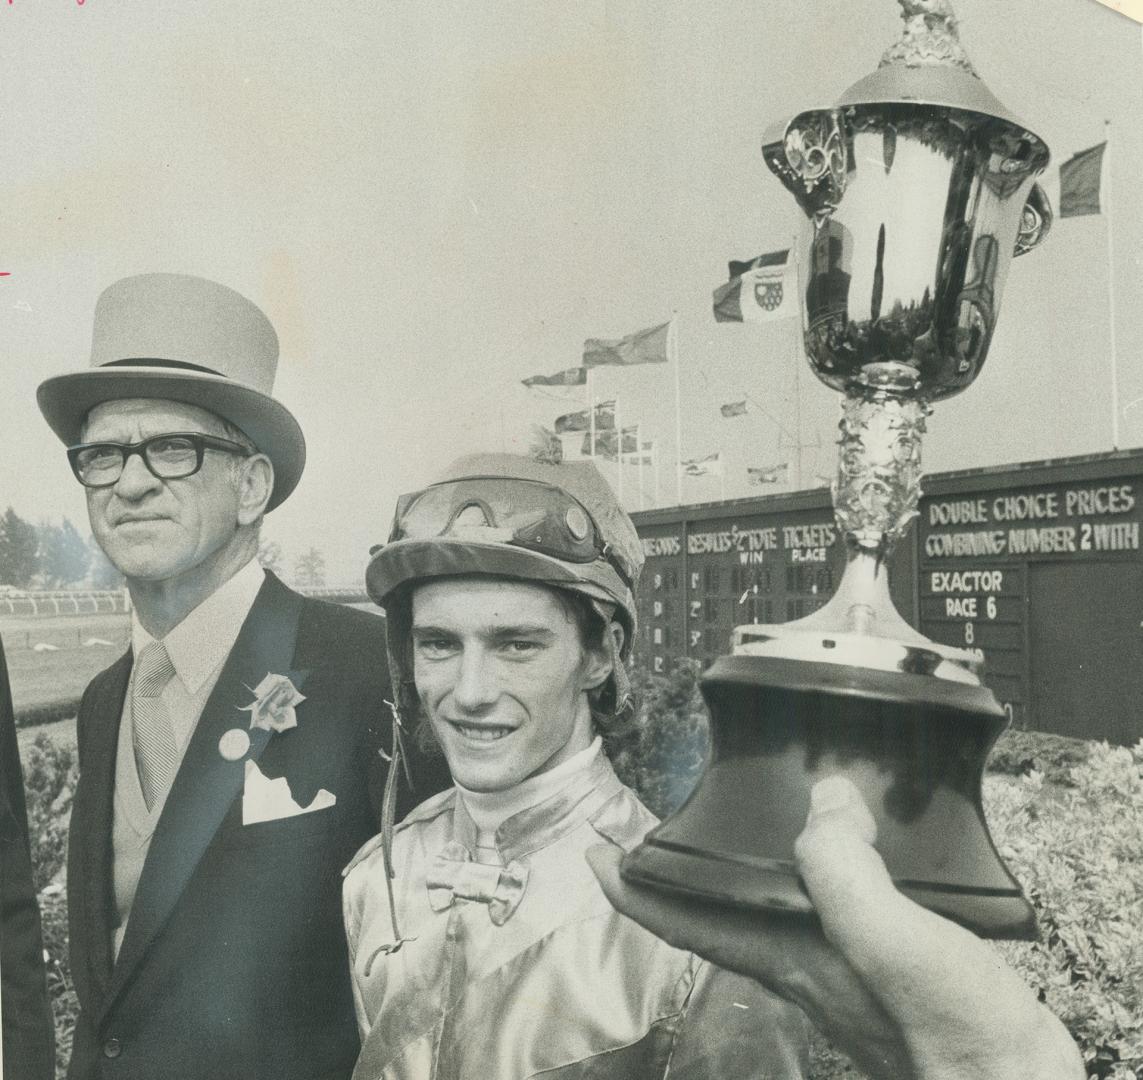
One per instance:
[(198, 648)]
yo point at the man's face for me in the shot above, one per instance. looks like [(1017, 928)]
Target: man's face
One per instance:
[(152, 529), (502, 676)]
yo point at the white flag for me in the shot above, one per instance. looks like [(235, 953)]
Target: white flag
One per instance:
[(758, 291), (711, 465), (769, 474)]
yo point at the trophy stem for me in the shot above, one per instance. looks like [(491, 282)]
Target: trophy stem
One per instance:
[(862, 604), (879, 461), (875, 498)]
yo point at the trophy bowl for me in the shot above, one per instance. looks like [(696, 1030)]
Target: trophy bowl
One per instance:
[(918, 189)]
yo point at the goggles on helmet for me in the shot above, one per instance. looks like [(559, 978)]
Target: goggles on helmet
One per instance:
[(527, 514)]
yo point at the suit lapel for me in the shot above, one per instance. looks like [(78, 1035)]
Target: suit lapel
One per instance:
[(207, 783), (92, 823)]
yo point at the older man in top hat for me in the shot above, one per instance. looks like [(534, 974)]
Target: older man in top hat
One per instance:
[(232, 761)]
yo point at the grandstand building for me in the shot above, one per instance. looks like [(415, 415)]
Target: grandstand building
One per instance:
[(1036, 565)]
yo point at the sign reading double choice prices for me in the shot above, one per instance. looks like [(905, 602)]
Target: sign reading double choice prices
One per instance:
[(977, 551), (1081, 520)]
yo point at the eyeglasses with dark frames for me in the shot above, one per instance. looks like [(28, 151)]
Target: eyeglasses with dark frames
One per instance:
[(173, 456)]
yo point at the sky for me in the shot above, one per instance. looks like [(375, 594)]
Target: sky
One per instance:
[(434, 201)]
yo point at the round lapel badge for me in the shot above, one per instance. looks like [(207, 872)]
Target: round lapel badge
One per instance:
[(234, 744)]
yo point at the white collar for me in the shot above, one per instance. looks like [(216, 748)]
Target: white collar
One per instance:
[(198, 645)]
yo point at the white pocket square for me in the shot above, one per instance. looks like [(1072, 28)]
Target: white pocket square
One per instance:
[(270, 800)]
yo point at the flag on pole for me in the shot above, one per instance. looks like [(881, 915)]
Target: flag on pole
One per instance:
[(607, 443), (573, 376), (769, 474), (758, 291), (1080, 182), (645, 347), (631, 455), (711, 465), (581, 421), (733, 408)]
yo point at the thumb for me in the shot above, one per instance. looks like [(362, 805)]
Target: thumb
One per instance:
[(835, 801), (842, 871)]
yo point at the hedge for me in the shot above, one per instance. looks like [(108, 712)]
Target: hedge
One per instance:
[(48, 712)]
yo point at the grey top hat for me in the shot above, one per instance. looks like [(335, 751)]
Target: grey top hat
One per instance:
[(184, 339)]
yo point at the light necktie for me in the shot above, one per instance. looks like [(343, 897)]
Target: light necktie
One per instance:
[(155, 752)]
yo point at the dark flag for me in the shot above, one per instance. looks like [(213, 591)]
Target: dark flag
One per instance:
[(733, 408), (758, 290), (1080, 182), (573, 376), (607, 443), (645, 347), (581, 421)]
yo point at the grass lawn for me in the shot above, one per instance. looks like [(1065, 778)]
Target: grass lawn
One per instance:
[(81, 647)]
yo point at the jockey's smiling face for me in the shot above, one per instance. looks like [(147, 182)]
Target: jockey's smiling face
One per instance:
[(502, 674)]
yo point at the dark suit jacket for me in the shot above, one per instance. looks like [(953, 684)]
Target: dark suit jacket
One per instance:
[(234, 961), (29, 1038)]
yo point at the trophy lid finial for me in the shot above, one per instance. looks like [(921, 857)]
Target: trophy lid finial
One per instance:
[(929, 38)]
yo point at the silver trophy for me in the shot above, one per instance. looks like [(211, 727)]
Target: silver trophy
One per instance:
[(918, 188)]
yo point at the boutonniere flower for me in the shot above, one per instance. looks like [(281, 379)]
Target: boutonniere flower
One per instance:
[(273, 708)]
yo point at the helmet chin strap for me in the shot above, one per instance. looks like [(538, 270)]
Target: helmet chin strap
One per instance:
[(616, 639), (618, 668), (397, 763)]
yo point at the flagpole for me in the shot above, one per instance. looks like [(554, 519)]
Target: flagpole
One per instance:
[(721, 479), (591, 412), (782, 429), (655, 466), (1111, 293), (673, 346), (797, 376), (797, 421), (639, 459), (619, 447)]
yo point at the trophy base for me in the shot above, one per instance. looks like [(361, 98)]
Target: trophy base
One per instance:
[(913, 744), (739, 881)]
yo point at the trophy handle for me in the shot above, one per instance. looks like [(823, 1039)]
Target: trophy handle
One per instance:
[(1035, 221), (810, 154)]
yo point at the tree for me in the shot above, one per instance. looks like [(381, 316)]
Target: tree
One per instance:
[(18, 545), (63, 555), (546, 445), (271, 557), (309, 569), (663, 755), (103, 573)]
